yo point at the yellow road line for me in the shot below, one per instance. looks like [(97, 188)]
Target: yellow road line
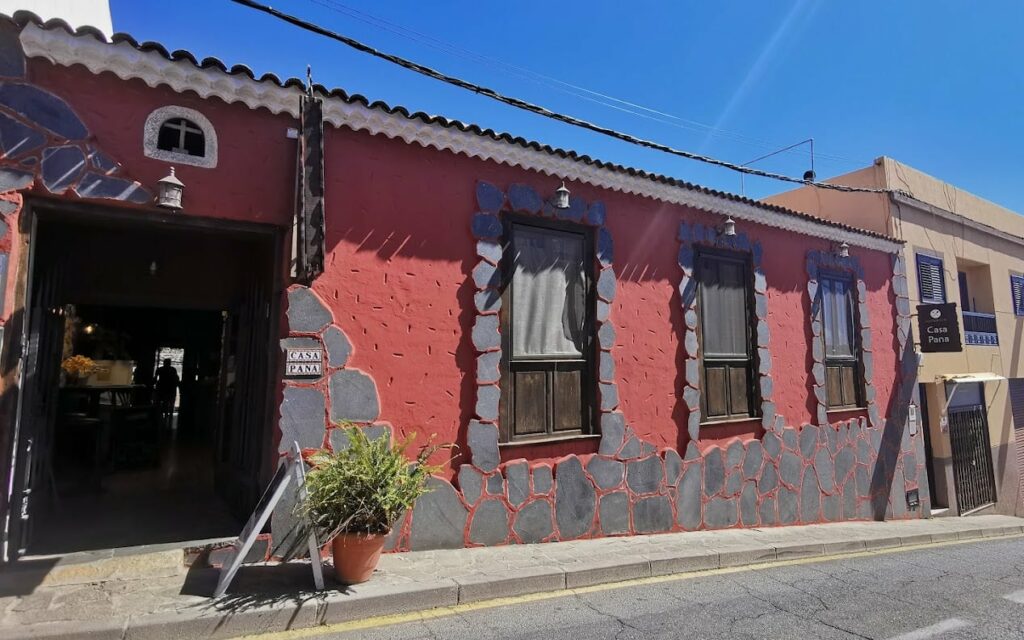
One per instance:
[(441, 612)]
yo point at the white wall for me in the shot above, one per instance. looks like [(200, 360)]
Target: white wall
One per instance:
[(77, 13)]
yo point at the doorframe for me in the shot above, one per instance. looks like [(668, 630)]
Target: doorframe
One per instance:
[(36, 208)]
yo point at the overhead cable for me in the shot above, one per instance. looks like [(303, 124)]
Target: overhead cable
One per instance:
[(537, 109), (583, 93)]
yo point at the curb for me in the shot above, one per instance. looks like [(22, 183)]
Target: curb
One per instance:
[(379, 599)]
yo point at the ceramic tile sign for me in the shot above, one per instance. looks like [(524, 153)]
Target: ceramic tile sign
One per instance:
[(304, 363)]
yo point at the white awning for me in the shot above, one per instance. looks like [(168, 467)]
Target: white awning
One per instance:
[(959, 378)]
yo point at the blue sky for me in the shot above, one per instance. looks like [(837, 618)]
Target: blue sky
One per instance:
[(937, 84)]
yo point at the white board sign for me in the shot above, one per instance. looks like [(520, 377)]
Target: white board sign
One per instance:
[(289, 471)]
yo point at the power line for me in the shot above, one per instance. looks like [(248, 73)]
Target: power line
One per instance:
[(603, 99), (537, 109), (743, 191)]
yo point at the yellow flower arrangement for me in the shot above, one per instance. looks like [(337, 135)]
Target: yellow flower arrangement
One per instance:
[(79, 366)]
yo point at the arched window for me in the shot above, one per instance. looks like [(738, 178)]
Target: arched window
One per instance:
[(179, 135)]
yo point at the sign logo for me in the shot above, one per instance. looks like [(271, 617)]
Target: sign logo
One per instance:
[(935, 314)]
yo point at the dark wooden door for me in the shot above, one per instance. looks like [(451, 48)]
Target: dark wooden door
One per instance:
[(245, 370)]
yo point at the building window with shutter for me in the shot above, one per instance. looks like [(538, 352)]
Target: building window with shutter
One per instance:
[(840, 331), (1017, 291), (547, 330), (931, 279), (727, 348)]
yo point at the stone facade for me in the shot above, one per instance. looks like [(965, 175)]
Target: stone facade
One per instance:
[(858, 468), (816, 262), (692, 236), (43, 140)]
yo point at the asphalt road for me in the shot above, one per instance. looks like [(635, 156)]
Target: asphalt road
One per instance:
[(950, 592)]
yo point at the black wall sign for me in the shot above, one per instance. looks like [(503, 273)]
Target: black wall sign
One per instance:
[(939, 326)]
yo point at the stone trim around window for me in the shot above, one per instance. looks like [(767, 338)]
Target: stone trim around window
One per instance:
[(151, 133), (487, 228), (692, 236), (826, 260)]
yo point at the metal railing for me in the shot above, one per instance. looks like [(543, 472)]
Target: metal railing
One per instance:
[(972, 458), (980, 328)]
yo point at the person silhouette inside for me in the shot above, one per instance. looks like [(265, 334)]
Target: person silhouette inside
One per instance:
[(167, 382)]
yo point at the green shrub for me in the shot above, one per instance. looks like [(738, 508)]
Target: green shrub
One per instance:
[(366, 487)]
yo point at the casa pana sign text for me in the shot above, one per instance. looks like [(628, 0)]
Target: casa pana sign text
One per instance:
[(939, 326), (304, 363)]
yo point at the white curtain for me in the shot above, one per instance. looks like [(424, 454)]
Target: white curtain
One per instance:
[(548, 297), (838, 318), (724, 308)]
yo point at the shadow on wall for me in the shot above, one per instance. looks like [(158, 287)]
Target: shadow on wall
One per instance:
[(1004, 463), (1016, 441), (895, 432)]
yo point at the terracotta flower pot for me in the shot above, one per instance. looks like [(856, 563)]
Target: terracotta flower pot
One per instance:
[(356, 556)]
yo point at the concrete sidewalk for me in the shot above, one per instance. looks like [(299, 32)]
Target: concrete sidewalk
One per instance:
[(152, 596)]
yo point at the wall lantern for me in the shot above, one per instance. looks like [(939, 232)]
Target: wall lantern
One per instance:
[(728, 227), (561, 199), (171, 190), (842, 250)]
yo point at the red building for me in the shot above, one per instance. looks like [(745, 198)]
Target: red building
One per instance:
[(648, 355)]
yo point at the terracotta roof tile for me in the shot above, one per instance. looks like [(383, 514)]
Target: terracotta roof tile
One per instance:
[(22, 18)]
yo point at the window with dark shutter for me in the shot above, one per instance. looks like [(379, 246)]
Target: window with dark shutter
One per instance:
[(728, 353), (840, 335), (931, 279), (547, 330), (1017, 289)]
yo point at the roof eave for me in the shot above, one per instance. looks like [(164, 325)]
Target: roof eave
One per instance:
[(180, 71)]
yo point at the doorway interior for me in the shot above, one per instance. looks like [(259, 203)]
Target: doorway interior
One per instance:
[(117, 448)]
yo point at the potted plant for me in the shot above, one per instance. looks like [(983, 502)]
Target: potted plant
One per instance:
[(355, 496)]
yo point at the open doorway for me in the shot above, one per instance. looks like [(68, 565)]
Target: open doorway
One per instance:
[(146, 405)]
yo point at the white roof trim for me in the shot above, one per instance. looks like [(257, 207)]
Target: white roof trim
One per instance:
[(127, 62)]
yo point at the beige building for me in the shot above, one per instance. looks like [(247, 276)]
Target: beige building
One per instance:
[(964, 250)]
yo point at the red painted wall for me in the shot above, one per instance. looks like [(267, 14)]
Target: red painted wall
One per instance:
[(400, 253), (398, 280), (255, 174)]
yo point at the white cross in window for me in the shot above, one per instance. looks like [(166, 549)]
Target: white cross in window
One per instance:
[(183, 127)]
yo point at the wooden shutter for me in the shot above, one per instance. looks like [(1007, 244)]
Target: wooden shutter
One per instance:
[(1017, 289), (547, 330), (931, 279)]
